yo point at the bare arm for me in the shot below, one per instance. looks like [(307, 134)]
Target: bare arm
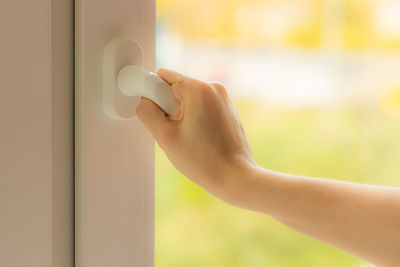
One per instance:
[(363, 220), (206, 142)]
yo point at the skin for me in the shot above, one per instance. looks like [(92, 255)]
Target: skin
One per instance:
[(206, 142)]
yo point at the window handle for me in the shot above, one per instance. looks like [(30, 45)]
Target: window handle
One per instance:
[(135, 81), (124, 80)]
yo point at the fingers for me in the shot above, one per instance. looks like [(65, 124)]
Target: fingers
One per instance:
[(187, 89), (153, 117), (170, 76), (174, 79)]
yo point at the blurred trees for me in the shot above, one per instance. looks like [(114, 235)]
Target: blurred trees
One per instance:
[(354, 25)]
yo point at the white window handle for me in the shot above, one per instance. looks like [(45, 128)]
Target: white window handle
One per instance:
[(124, 80), (135, 81)]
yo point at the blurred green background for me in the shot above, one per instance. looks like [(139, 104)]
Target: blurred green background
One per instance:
[(317, 87)]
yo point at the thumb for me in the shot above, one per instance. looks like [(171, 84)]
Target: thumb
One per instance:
[(153, 117)]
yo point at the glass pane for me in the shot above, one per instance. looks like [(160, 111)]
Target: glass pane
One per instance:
[(317, 86)]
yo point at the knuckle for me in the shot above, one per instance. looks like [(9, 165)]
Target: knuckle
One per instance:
[(204, 87), (178, 87), (219, 88), (207, 90), (217, 85), (180, 83)]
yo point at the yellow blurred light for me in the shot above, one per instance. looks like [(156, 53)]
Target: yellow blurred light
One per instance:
[(390, 100), (355, 25)]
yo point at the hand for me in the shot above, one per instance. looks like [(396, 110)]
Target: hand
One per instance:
[(205, 139), (206, 142)]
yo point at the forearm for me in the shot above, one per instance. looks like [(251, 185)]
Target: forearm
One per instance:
[(206, 142), (363, 220)]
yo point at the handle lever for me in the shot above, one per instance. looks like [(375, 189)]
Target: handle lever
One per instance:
[(135, 81)]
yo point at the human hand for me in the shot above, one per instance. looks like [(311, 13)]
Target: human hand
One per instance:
[(205, 139), (206, 142)]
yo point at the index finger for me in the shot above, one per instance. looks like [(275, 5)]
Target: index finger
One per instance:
[(170, 76)]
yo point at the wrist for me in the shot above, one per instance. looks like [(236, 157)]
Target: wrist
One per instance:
[(237, 180)]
